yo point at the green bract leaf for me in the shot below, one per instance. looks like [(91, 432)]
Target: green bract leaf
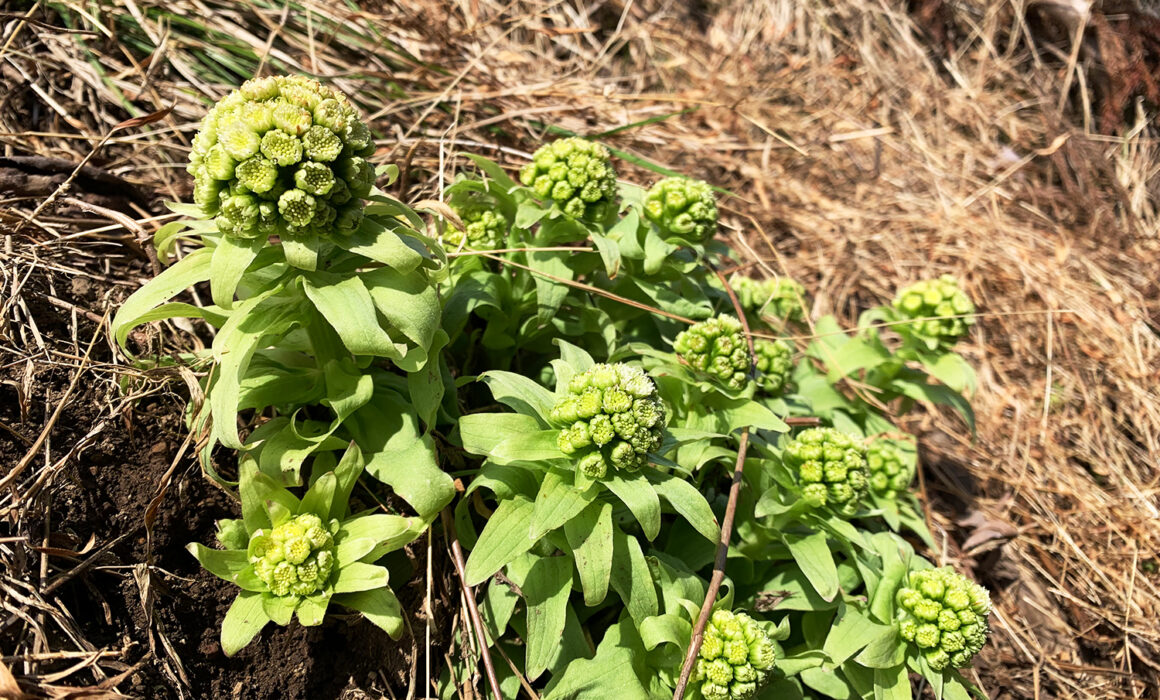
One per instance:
[(230, 259), (590, 537), (812, 554), (557, 502), (631, 577), (244, 620), (520, 394), (347, 305), (546, 592), (188, 271), (504, 539), (688, 501), (357, 576), (379, 605), (230, 565), (639, 495), (399, 455)]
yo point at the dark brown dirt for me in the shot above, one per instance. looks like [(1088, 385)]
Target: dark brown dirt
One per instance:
[(146, 586)]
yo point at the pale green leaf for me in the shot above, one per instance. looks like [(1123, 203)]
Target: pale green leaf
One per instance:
[(850, 634), (631, 577), (280, 609), (229, 565), (521, 394), (381, 244)]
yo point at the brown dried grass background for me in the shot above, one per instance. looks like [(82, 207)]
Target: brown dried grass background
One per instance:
[(868, 144)]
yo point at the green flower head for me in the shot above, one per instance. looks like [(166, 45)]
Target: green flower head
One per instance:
[(735, 658), (774, 364), (944, 614), (486, 226), (924, 302), (610, 418), (282, 155), (830, 468), (778, 298), (682, 208), (575, 174), (890, 474), (294, 557), (717, 347)]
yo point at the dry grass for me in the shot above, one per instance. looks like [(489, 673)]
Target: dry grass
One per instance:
[(865, 152)]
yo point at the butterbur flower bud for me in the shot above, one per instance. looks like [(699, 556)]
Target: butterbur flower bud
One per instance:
[(735, 658), (716, 347), (774, 364), (294, 558), (928, 304), (778, 298), (830, 467), (682, 208), (286, 141), (889, 474), (944, 614), (611, 418), (575, 174), (485, 225)]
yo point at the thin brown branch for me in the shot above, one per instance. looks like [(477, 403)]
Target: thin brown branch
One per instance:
[(472, 608), (596, 290)]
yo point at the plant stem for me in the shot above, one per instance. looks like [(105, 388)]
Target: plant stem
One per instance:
[(472, 608)]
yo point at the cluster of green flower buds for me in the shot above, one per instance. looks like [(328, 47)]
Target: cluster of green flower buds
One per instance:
[(777, 298), (945, 614), (485, 225), (830, 466), (735, 657), (889, 473), (294, 558), (611, 418), (285, 156), (933, 301), (774, 364), (718, 348), (683, 208), (575, 174)]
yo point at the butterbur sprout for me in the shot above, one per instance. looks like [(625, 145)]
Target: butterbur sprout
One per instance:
[(830, 467), (611, 418), (282, 156), (774, 364), (890, 474), (777, 298), (575, 174), (735, 658), (484, 222), (940, 312), (682, 208), (717, 347), (944, 614)]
